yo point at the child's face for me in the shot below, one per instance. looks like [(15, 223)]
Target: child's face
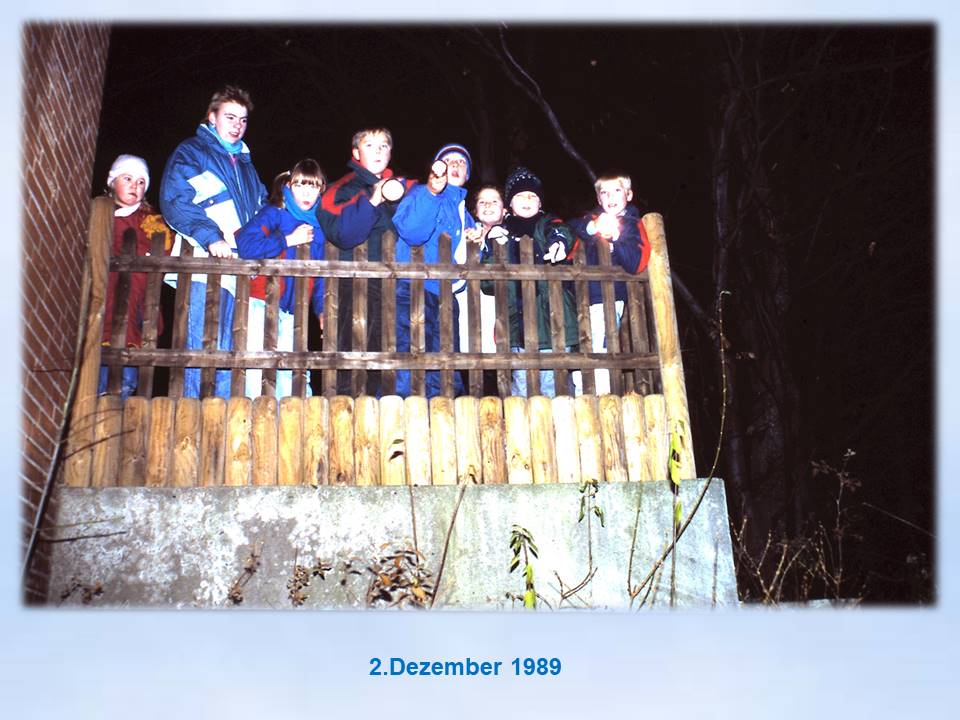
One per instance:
[(612, 197), (230, 121), (373, 153), (525, 204), (128, 190), (456, 168), (305, 192), (490, 208)]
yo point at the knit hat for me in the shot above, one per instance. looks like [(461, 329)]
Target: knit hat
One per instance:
[(522, 180), (455, 148), (129, 165)]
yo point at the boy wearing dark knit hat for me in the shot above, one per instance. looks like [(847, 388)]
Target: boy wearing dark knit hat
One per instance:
[(553, 242)]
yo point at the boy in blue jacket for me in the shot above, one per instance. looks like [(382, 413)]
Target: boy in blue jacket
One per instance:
[(616, 224), (208, 191), (426, 212), (275, 232)]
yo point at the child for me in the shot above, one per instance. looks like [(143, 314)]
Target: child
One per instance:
[(354, 210), (615, 223), (489, 211), (276, 231), (552, 242), (127, 183), (427, 211)]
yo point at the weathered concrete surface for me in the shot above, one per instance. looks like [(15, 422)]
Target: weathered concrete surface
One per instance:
[(165, 547)]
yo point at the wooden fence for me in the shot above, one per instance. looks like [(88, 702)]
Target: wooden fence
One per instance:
[(335, 439)]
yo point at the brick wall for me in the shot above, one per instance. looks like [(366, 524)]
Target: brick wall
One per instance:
[(62, 72)]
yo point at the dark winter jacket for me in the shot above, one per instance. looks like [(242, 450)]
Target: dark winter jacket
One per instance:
[(548, 229), (631, 250)]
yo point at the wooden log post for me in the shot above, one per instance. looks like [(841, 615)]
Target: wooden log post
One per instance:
[(611, 435), (213, 441), (654, 411), (160, 443), (492, 441), (79, 451), (366, 440), (393, 447), (589, 436), (316, 441), (239, 447), (668, 339), (443, 441), (419, 455), (133, 448), (567, 444), (517, 422), (107, 439), (543, 446), (264, 440), (290, 440), (635, 449), (186, 444), (469, 456), (341, 441)]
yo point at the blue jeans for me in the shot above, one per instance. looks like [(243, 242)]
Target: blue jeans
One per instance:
[(518, 386), (128, 382), (191, 376), (431, 316)]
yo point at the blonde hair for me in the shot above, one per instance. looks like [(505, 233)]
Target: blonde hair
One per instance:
[(359, 135), (621, 178)]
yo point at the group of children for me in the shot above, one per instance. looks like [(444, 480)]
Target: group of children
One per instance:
[(213, 199)]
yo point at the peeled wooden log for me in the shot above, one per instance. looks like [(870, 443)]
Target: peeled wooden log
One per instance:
[(186, 444), (443, 441), (417, 440), (469, 462), (393, 448), (213, 441), (517, 422), (239, 447), (492, 441), (654, 410), (316, 418), (366, 440), (341, 441), (635, 448), (264, 439), (106, 436), (160, 442), (567, 444), (588, 434), (290, 441), (543, 449), (611, 434)]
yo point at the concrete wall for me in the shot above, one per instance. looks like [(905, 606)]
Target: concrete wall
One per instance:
[(165, 547), (63, 72)]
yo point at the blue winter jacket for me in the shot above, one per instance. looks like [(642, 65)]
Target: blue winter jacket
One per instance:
[(422, 217), (204, 189), (265, 237), (630, 251)]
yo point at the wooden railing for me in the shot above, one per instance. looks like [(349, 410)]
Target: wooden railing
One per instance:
[(142, 439)]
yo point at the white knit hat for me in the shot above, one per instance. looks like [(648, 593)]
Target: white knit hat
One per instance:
[(130, 165)]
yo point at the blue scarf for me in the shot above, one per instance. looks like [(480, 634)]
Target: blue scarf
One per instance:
[(232, 148), (305, 216)]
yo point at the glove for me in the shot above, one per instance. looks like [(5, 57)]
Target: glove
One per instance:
[(498, 233), (556, 253), (607, 226)]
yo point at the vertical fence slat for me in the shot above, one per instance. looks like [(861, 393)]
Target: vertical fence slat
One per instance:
[(181, 317), (582, 295), (492, 441), (567, 444), (654, 411), (531, 337), (239, 451), (290, 441), (160, 442), (213, 442), (211, 331), (186, 444), (635, 315), (475, 377), (359, 321), (611, 429), (366, 440), (517, 424), (133, 448), (443, 441), (558, 335), (301, 318), (393, 449), (341, 440), (668, 339), (445, 256), (268, 382), (610, 317), (635, 439), (501, 324), (417, 329), (543, 450), (121, 310), (417, 440), (316, 434), (264, 440), (466, 418), (331, 311), (388, 313), (241, 311), (588, 434), (106, 438), (151, 311)]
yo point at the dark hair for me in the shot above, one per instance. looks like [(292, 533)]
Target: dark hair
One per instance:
[(229, 93), (486, 186), (276, 189), (359, 135)]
